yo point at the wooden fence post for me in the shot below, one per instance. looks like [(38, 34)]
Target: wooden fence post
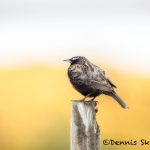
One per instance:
[(85, 132)]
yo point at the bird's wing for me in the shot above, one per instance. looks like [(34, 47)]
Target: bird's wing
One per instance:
[(103, 86), (111, 83), (102, 76)]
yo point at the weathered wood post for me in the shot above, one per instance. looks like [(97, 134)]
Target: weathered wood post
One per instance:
[(85, 132)]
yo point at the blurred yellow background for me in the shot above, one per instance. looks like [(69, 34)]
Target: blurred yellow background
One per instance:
[(35, 93), (35, 107)]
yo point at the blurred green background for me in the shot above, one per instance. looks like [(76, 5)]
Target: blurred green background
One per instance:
[(35, 93)]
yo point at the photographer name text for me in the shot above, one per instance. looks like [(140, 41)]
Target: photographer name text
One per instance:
[(141, 142)]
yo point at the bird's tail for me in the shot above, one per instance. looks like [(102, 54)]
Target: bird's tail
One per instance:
[(120, 101)]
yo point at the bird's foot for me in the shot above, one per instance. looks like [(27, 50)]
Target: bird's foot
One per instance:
[(82, 100), (92, 99)]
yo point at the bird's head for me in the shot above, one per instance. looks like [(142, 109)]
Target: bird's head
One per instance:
[(76, 60)]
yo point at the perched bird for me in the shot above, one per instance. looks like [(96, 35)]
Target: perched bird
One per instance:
[(90, 80)]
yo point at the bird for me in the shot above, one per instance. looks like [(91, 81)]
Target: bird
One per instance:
[(90, 80)]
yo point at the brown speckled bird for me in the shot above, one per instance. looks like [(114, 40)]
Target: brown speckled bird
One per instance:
[(90, 80)]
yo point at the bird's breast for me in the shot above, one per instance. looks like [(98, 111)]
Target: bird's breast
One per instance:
[(76, 72)]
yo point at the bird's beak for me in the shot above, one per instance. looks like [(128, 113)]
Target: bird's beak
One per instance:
[(67, 60)]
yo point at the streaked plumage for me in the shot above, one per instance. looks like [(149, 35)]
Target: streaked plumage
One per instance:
[(90, 80)]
